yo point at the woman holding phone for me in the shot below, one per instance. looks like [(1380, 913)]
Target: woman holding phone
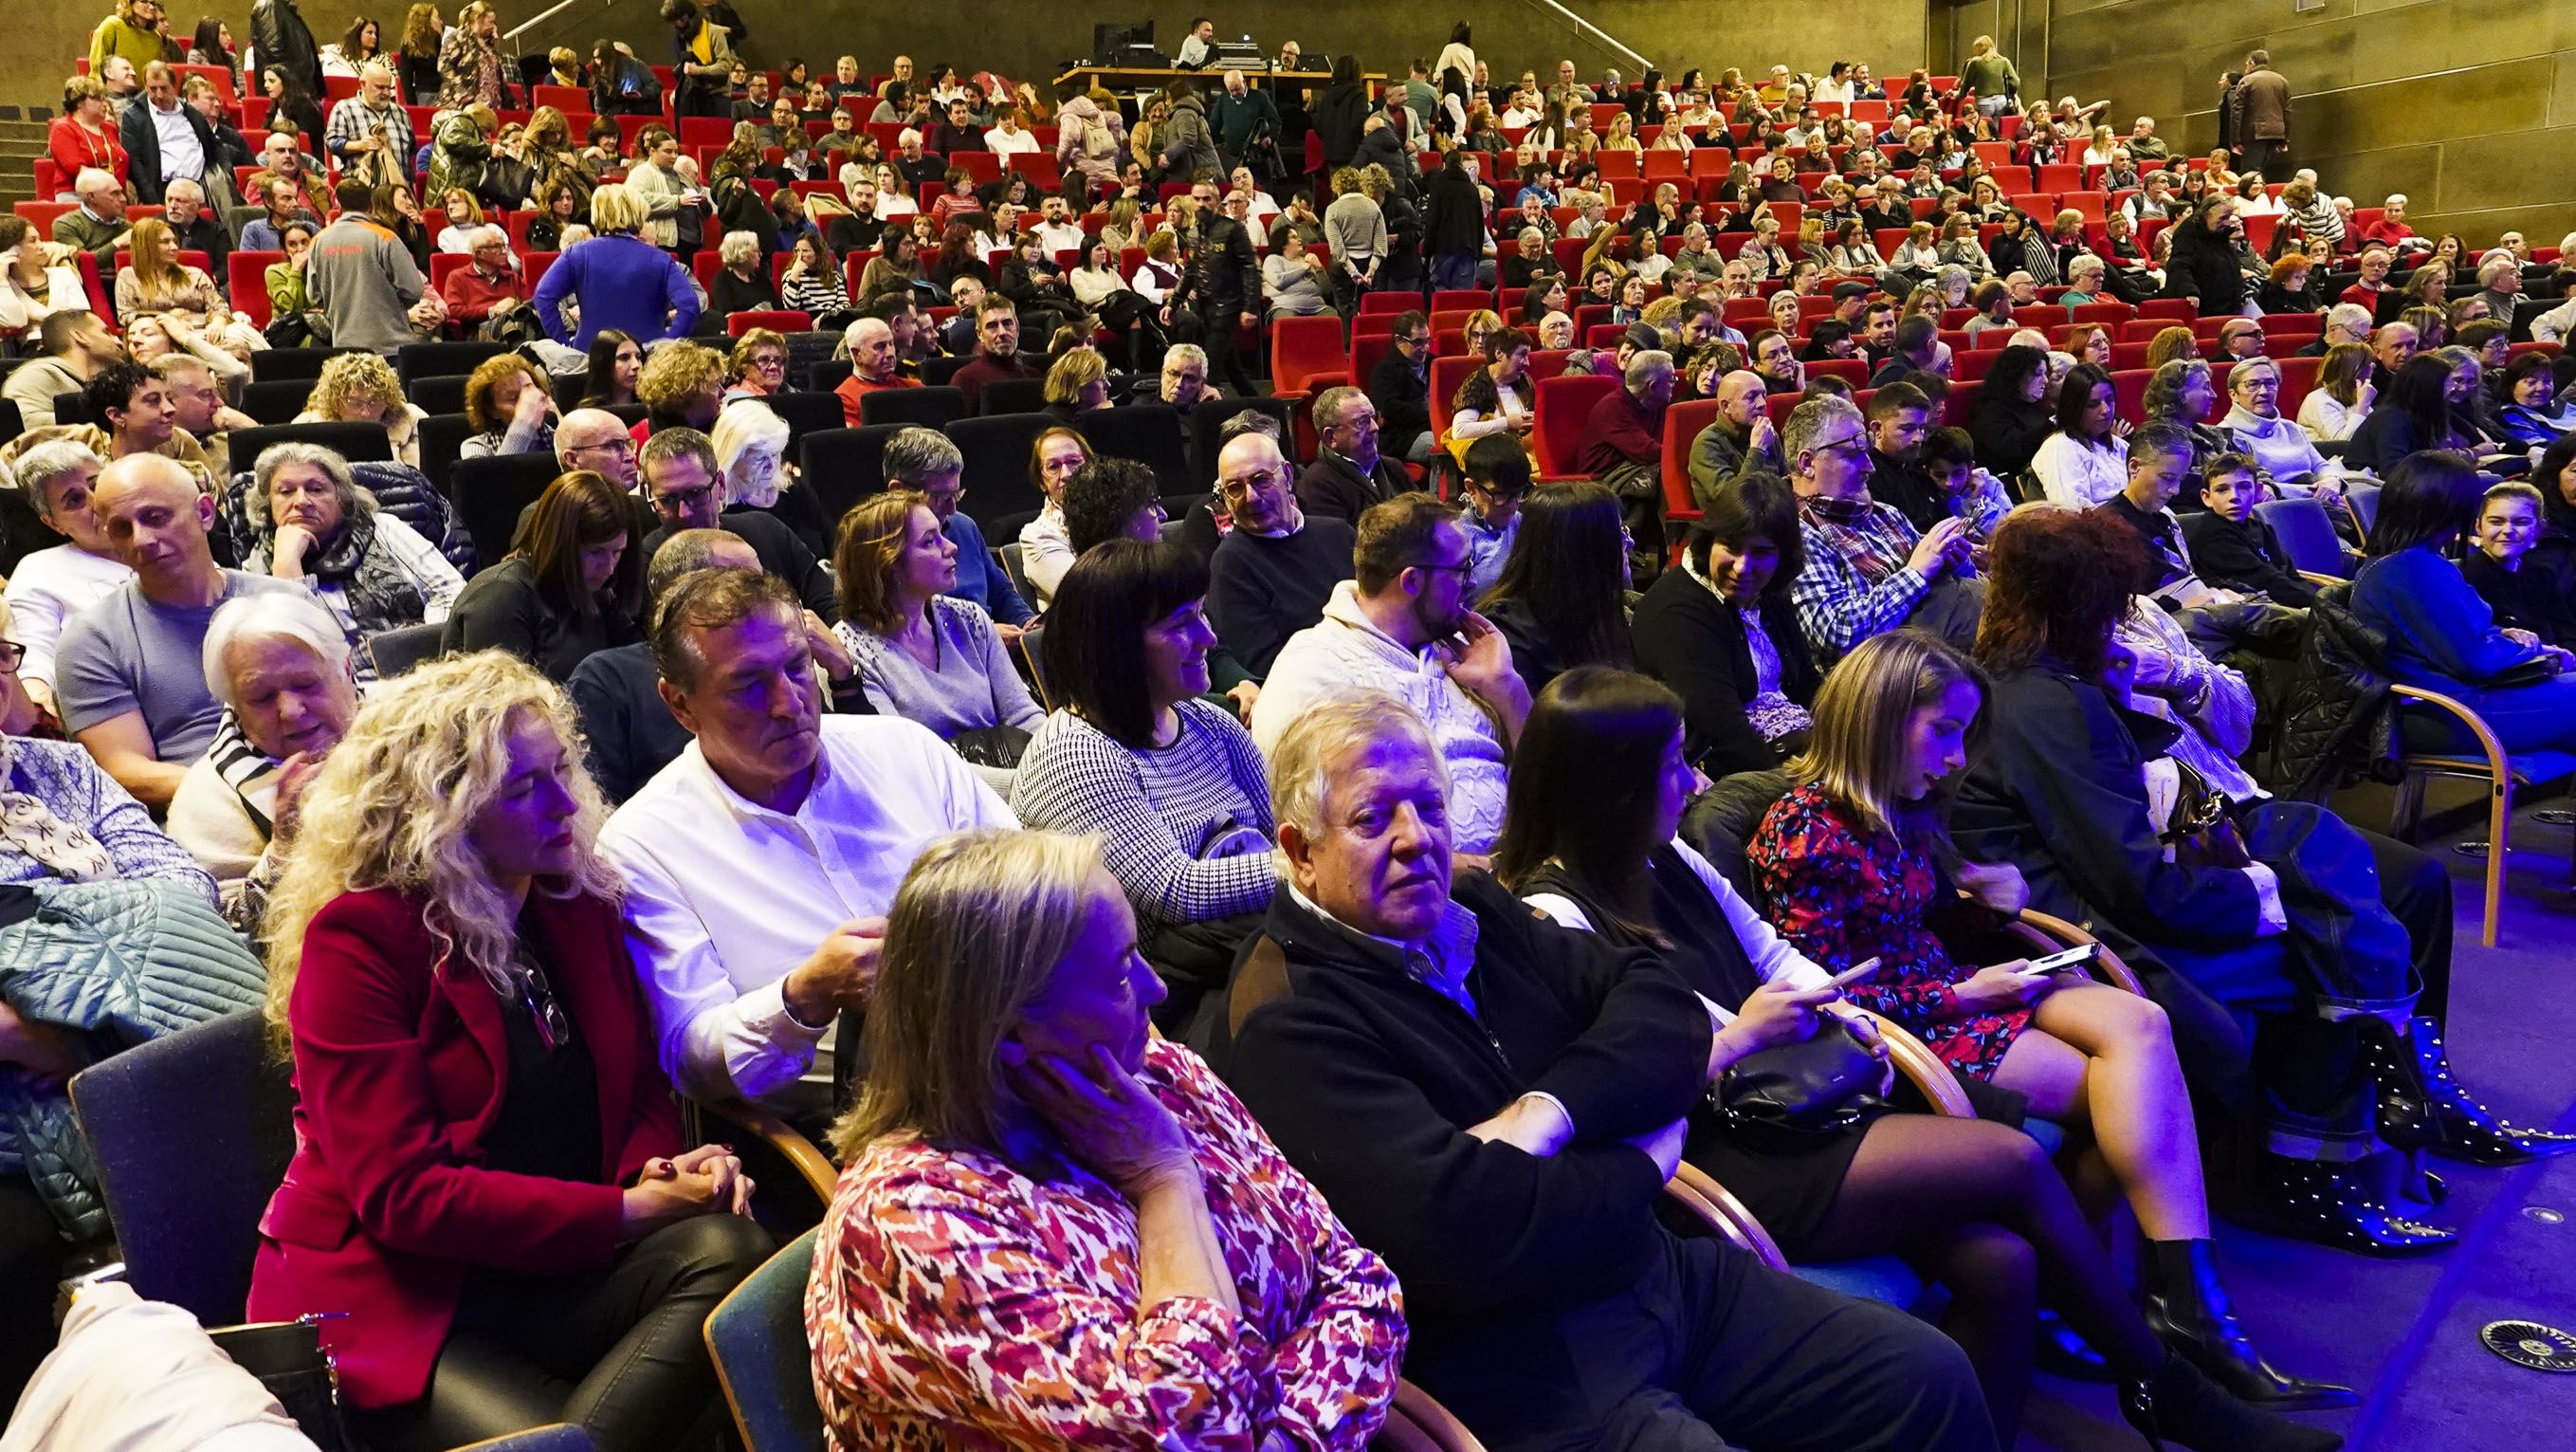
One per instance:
[(1846, 861), (1598, 789)]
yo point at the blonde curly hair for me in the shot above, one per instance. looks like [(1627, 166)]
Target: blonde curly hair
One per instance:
[(395, 802), (355, 376)]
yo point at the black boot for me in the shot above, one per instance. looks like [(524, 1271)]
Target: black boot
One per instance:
[(2304, 1200), (2180, 1403), (2436, 1112), (2190, 1313)]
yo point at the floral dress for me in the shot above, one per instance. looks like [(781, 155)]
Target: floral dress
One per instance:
[(1841, 896), (959, 1302)]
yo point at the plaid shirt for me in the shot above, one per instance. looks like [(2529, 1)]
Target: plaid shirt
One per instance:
[(1857, 583)]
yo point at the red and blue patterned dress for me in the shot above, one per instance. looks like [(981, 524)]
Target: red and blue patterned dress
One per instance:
[(1841, 896), (958, 1302)]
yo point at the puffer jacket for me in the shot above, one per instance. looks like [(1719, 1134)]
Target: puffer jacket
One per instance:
[(2337, 723), (1188, 151), (400, 490), (121, 962)]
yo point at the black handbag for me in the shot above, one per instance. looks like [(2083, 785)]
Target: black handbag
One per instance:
[(289, 1360), (1797, 1092), (999, 747)]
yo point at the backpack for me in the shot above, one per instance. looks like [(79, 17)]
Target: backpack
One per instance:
[(1098, 144)]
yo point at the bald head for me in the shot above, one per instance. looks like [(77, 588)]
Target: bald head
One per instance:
[(156, 519), (1252, 477), (594, 439), (1740, 397), (872, 349)]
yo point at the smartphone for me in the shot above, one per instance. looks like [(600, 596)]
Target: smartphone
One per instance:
[(2075, 957), (1855, 973)]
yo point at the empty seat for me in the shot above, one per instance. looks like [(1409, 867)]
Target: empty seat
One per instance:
[(353, 441), (996, 476), (490, 492), (844, 466), (1150, 434), (929, 407), (433, 360), (276, 400)]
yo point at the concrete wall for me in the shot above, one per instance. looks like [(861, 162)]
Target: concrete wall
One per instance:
[(2467, 106), (1021, 39)]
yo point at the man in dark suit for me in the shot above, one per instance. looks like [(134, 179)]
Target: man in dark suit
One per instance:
[(1349, 473), (1400, 385)]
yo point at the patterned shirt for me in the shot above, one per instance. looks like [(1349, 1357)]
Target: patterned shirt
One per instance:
[(354, 120), (959, 1301), (1857, 583), (1185, 828)]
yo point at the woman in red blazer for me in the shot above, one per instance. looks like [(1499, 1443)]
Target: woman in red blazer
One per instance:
[(487, 1182)]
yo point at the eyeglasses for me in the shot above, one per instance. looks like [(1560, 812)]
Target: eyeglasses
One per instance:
[(681, 501), (620, 446), (12, 654), (1853, 442), (1460, 569)]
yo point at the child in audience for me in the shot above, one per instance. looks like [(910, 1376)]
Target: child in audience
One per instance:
[(2527, 603)]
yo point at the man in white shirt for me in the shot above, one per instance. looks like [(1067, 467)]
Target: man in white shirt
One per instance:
[(1402, 626), (50, 586), (1198, 47), (760, 863), (1057, 232)]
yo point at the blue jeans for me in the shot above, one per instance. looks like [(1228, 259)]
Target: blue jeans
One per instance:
[(1453, 270)]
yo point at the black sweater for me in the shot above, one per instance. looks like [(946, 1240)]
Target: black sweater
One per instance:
[(2524, 599), (1263, 590), (1368, 1080), (1693, 642), (2244, 556)]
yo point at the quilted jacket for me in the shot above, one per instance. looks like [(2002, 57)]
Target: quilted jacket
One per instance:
[(121, 962)]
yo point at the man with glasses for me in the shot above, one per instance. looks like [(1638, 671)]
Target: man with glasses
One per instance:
[(1274, 568), (1402, 625), (1400, 385), (687, 491), (489, 285), (2240, 338), (926, 460), (1349, 473), (1868, 570)]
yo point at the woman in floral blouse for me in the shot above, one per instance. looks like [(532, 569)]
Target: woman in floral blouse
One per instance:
[(1056, 1229), (1845, 861)]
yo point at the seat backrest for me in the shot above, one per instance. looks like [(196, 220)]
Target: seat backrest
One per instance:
[(1562, 408), (806, 413), (397, 651), (929, 407), (2307, 534), (756, 1337), (186, 1190), (305, 363), (276, 400), (1150, 434), (1011, 395), (843, 466), (442, 443), (1683, 421), (491, 491), (996, 472), (1207, 420), (354, 440), (1301, 348), (439, 360)]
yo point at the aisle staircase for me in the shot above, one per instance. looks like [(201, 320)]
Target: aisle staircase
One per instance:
[(22, 140)]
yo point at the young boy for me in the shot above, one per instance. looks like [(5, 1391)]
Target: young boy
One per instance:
[(2233, 549), (1950, 457)]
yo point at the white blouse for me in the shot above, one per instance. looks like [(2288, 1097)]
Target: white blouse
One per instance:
[(2080, 476), (1772, 957)]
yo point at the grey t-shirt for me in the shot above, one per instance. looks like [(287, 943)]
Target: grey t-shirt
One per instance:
[(126, 653)]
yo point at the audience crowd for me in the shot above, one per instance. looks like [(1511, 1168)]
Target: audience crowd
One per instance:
[(1348, 745)]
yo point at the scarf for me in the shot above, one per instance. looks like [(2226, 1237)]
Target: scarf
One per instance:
[(28, 825), (375, 592), (241, 766)]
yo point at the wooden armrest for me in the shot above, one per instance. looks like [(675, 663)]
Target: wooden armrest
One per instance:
[(1710, 1202), (810, 1162), (2498, 762), (2054, 932), (1923, 1068), (2313, 578), (1417, 1420)]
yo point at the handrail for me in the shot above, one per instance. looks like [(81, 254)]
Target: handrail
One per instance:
[(1605, 37)]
